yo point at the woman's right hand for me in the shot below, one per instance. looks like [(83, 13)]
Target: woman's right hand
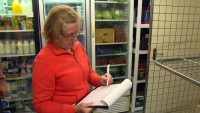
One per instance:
[(84, 108)]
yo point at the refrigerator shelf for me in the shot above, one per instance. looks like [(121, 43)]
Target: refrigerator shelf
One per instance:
[(111, 20), (63, 2), (115, 43), (109, 2), (140, 51), (115, 54), (15, 55), (115, 78), (20, 78), (3, 31), (13, 15), (20, 98), (186, 68), (111, 65)]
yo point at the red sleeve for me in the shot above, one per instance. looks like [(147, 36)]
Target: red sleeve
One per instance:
[(94, 78), (43, 82)]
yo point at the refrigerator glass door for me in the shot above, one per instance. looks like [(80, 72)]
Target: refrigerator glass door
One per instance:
[(77, 5), (112, 26), (19, 43)]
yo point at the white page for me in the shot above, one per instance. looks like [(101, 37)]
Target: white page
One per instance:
[(98, 94), (107, 95), (118, 92)]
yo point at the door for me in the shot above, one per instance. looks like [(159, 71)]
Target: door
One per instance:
[(111, 31), (174, 35), (78, 5), (19, 44)]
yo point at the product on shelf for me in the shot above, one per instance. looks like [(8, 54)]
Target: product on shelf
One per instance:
[(29, 23), (16, 7), (13, 47), (26, 47), (19, 47), (120, 35), (7, 46), (29, 6), (32, 47), (104, 35), (98, 15), (117, 14), (24, 7), (2, 47), (106, 14)]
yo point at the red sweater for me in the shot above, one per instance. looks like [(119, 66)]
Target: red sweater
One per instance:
[(60, 79)]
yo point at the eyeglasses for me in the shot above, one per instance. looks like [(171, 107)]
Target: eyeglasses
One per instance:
[(70, 36)]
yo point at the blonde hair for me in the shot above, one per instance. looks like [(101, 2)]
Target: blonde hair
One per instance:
[(59, 17)]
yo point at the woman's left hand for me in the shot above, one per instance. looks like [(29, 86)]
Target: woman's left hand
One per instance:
[(103, 79)]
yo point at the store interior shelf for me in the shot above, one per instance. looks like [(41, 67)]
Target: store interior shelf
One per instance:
[(21, 98), (12, 14), (15, 55), (109, 2), (62, 2), (119, 77), (116, 54), (141, 25), (111, 65), (3, 31), (186, 68), (111, 43), (20, 78), (140, 51), (113, 20), (141, 81)]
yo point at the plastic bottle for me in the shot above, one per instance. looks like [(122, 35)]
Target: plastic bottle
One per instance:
[(32, 47), (13, 47), (16, 7), (29, 6), (19, 47), (26, 47), (7, 46), (2, 47), (24, 7)]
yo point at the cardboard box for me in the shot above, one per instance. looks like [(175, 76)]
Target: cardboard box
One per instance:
[(104, 35)]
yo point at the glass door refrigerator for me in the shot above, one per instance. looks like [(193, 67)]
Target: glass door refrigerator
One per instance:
[(111, 37), (78, 5), (19, 44)]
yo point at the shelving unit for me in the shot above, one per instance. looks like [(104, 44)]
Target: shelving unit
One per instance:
[(118, 52), (137, 52)]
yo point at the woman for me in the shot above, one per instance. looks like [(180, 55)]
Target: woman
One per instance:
[(61, 70)]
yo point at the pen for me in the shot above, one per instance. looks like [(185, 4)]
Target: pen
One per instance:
[(108, 69)]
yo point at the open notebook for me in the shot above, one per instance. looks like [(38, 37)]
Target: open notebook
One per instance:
[(106, 96)]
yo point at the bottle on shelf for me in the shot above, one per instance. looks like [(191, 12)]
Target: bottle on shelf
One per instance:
[(26, 47), (24, 7), (19, 47), (29, 23), (16, 7), (2, 47), (7, 46), (32, 47), (29, 6), (13, 47)]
